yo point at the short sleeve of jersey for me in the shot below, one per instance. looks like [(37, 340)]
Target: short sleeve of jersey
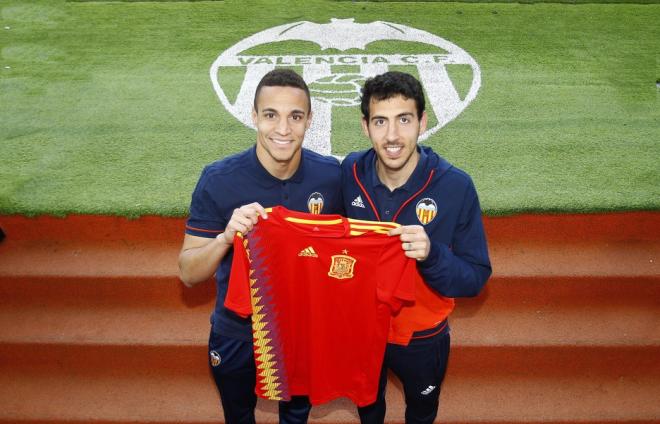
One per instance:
[(238, 292), (205, 218), (396, 291)]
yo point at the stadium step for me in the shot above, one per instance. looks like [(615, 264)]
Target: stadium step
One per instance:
[(95, 326)]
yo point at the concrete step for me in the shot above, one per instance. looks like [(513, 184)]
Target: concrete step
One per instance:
[(554, 311), (511, 312), (95, 327), (69, 383), (571, 228), (123, 258), (98, 291), (154, 326), (147, 360), (625, 244), (466, 361)]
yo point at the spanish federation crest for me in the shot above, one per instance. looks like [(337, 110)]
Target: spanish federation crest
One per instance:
[(426, 210), (315, 203), (342, 266)]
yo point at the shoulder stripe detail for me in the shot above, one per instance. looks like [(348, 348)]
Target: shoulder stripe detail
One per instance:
[(203, 230), (377, 231), (375, 228), (369, 226), (314, 221), (367, 222)]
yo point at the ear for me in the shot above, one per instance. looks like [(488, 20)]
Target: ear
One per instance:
[(254, 117), (309, 120), (423, 122), (365, 126)]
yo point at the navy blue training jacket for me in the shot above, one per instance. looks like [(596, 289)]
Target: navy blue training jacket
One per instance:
[(438, 196)]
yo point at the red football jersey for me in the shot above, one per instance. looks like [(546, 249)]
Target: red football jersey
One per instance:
[(321, 290)]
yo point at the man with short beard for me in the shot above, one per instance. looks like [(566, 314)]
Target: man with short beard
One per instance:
[(437, 205)]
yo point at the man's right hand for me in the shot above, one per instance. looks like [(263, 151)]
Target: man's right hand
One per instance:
[(200, 256), (242, 220)]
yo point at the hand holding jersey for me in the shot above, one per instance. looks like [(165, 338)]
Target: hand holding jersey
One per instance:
[(242, 220), (414, 241)]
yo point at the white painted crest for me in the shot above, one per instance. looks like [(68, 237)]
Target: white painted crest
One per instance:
[(344, 34)]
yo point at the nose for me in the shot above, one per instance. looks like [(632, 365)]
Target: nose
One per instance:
[(392, 132), (283, 126)]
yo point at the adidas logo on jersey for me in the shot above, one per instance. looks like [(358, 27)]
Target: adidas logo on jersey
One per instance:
[(428, 390), (358, 202), (309, 252)]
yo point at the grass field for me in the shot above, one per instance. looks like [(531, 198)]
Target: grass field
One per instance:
[(108, 108)]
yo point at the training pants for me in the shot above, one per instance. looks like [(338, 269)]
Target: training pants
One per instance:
[(421, 368), (235, 377)]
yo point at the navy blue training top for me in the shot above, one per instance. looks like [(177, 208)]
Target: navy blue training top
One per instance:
[(438, 196), (240, 179)]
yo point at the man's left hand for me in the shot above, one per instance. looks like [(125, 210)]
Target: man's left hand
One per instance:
[(414, 241)]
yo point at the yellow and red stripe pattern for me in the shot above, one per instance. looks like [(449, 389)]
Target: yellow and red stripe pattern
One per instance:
[(271, 383), (359, 226)]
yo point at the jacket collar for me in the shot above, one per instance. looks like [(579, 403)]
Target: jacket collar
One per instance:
[(428, 160)]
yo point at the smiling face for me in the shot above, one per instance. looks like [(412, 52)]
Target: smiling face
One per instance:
[(281, 117), (393, 128)]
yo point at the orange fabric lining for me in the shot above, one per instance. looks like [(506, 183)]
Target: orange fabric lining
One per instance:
[(428, 309)]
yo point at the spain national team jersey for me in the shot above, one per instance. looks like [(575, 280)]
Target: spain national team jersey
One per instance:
[(321, 290)]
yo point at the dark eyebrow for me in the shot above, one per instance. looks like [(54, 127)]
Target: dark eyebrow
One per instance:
[(398, 116), (294, 112)]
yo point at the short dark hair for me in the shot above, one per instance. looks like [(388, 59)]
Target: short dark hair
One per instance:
[(392, 84), (282, 77)]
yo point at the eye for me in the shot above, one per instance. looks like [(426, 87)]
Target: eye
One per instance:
[(379, 122), (297, 117), (405, 120)]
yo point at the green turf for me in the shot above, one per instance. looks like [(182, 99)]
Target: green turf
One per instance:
[(497, 1), (108, 108)]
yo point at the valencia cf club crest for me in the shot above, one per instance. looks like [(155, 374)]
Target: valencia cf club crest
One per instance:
[(315, 203), (426, 210), (342, 266), (215, 358), (335, 58)]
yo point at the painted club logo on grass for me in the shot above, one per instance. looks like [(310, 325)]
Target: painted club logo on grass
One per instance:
[(341, 59)]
